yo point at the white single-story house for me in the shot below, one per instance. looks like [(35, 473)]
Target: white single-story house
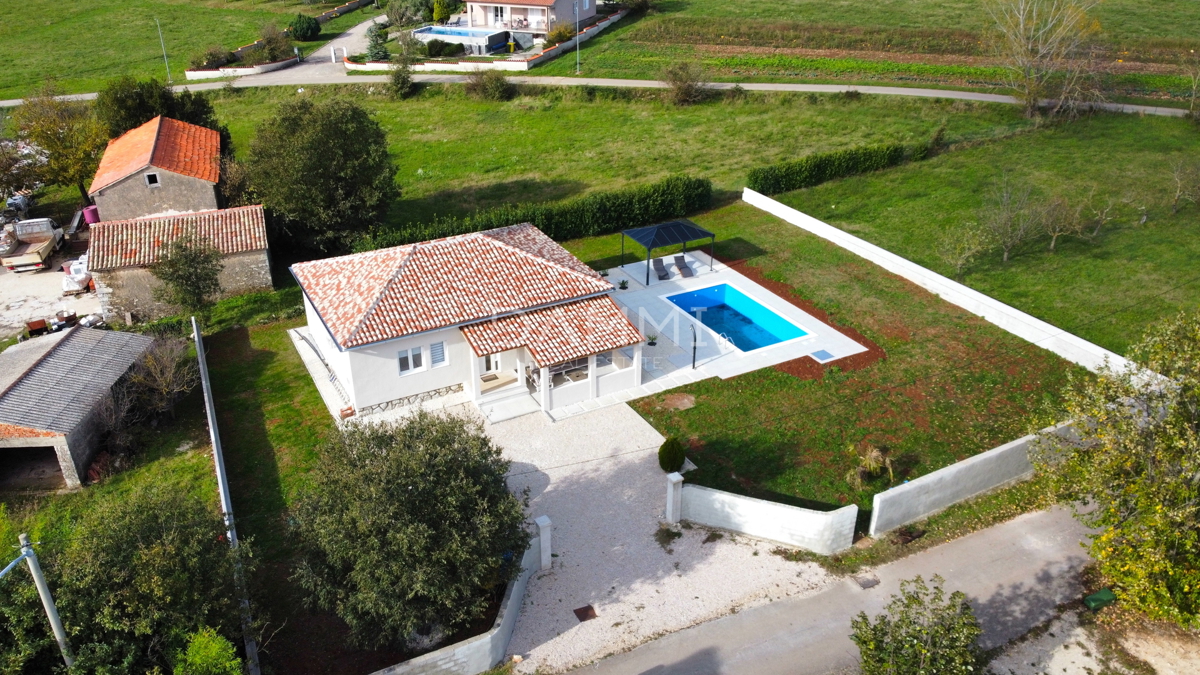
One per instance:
[(529, 16), (499, 315)]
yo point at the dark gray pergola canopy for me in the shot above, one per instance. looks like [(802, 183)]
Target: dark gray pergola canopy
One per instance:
[(669, 233)]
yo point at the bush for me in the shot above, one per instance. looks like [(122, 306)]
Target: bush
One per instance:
[(400, 80), (488, 85), (823, 166), (190, 271), (208, 653), (559, 34), (437, 48), (276, 45), (671, 455), (406, 12), (212, 58), (922, 632), (686, 82), (594, 214), (409, 527), (305, 28)]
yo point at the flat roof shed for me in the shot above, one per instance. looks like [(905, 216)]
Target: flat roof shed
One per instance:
[(52, 386)]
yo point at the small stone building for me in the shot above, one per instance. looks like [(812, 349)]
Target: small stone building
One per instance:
[(163, 166), (51, 391), (121, 252)]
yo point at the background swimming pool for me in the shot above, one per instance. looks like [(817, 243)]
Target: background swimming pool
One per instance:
[(457, 32), (739, 317)]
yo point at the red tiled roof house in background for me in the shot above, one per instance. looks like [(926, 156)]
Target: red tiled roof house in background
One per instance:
[(121, 251), (163, 166), (506, 318)]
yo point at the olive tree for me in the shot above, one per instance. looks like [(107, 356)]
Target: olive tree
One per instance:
[(409, 529), (323, 169), (922, 631), (66, 134), (190, 272), (1136, 459)]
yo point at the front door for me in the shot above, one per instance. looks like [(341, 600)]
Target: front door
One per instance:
[(491, 363), (497, 15)]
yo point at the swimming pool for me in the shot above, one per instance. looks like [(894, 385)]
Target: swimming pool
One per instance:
[(740, 318), (456, 32)]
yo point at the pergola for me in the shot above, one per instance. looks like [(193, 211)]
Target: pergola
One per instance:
[(667, 234)]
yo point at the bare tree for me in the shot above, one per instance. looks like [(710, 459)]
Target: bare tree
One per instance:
[(1186, 176), (1191, 65), (164, 374), (1008, 216), (1102, 214), (1059, 218), (1044, 47), (116, 413), (959, 246)]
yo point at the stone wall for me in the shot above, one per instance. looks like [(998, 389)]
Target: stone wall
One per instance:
[(131, 197), (131, 289)]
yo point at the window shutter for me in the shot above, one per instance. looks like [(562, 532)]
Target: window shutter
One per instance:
[(437, 353)]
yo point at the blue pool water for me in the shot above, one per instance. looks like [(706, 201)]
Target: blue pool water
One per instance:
[(739, 317), (457, 32)]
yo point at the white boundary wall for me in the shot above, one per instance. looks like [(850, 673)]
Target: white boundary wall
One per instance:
[(240, 71), (818, 531), (933, 492), (1070, 347), (482, 652)]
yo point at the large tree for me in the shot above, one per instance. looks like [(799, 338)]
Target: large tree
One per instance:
[(66, 133), (126, 103), (323, 170), (409, 528), (190, 272), (1137, 460)]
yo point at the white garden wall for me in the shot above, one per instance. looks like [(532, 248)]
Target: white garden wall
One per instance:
[(824, 532), (1068, 346)]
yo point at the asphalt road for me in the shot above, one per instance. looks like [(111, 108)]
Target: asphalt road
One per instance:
[(1014, 574)]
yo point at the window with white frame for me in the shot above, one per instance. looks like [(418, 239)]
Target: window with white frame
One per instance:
[(411, 360), (587, 4), (437, 354)]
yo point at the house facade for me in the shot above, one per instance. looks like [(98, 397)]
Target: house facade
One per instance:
[(121, 253), (502, 316), (163, 166), (529, 16)]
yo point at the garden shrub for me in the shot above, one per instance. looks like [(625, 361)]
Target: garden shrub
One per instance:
[(819, 167), (305, 28), (435, 48), (591, 215), (275, 44), (489, 85), (686, 82), (377, 50), (212, 58), (671, 455), (559, 34), (208, 653), (400, 79), (923, 631)]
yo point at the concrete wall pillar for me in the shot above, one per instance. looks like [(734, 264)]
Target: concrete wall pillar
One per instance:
[(473, 385), (545, 376), (674, 497), (544, 527), (593, 379), (637, 365), (66, 461)]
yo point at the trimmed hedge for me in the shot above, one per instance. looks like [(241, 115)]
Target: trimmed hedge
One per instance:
[(820, 167), (671, 455), (594, 214)]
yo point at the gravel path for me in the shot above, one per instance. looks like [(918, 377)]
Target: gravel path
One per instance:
[(597, 477)]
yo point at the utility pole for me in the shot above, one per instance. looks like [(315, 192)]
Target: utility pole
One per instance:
[(164, 48), (576, 37), (43, 589), (226, 500)]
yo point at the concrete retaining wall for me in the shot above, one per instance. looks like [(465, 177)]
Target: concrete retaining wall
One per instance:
[(512, 65), (241, 71), (925, 496), (824, 532), (482, 652), (1070, 347)]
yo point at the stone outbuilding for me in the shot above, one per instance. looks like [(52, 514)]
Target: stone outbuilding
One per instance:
[(163, 166), (122, 251), (51, 392)]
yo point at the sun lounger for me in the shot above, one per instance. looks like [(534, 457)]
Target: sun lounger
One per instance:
[(661, 270), (682, 266)]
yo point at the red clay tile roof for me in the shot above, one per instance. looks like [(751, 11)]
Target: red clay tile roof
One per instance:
[(163, 143), (129, 243), (559, 333), (15, 431), (393, 292)]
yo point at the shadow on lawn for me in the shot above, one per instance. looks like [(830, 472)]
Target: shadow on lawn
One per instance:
[(465, 201)]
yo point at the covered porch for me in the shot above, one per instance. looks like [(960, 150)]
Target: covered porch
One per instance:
[(529, 18), (552, 358)]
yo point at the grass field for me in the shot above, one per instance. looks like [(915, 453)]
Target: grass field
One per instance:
[(456, 154), (951, 385), (82, 44)]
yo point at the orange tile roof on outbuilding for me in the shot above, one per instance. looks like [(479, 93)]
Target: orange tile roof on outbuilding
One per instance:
[(557, 334), (404, 290), (139, 242), (162, 143)]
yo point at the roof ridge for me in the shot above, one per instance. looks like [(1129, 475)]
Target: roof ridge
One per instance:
[(383, 290), (157, 133), (530, 254)]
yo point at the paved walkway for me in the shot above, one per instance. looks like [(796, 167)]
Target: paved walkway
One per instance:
[(1014, 574)]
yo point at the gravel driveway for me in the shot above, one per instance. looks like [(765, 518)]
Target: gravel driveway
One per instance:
[(596, 476)]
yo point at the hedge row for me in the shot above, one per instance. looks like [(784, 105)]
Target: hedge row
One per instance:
[(594, 214), (820, 167)]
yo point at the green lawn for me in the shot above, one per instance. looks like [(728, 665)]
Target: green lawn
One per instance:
[(82, 44), (455, 154), (952, 385), (1106, 291)]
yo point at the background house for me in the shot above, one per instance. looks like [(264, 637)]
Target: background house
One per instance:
[(121, 251), (162, 166), (506, 317), (51, 389), (529, 16)]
